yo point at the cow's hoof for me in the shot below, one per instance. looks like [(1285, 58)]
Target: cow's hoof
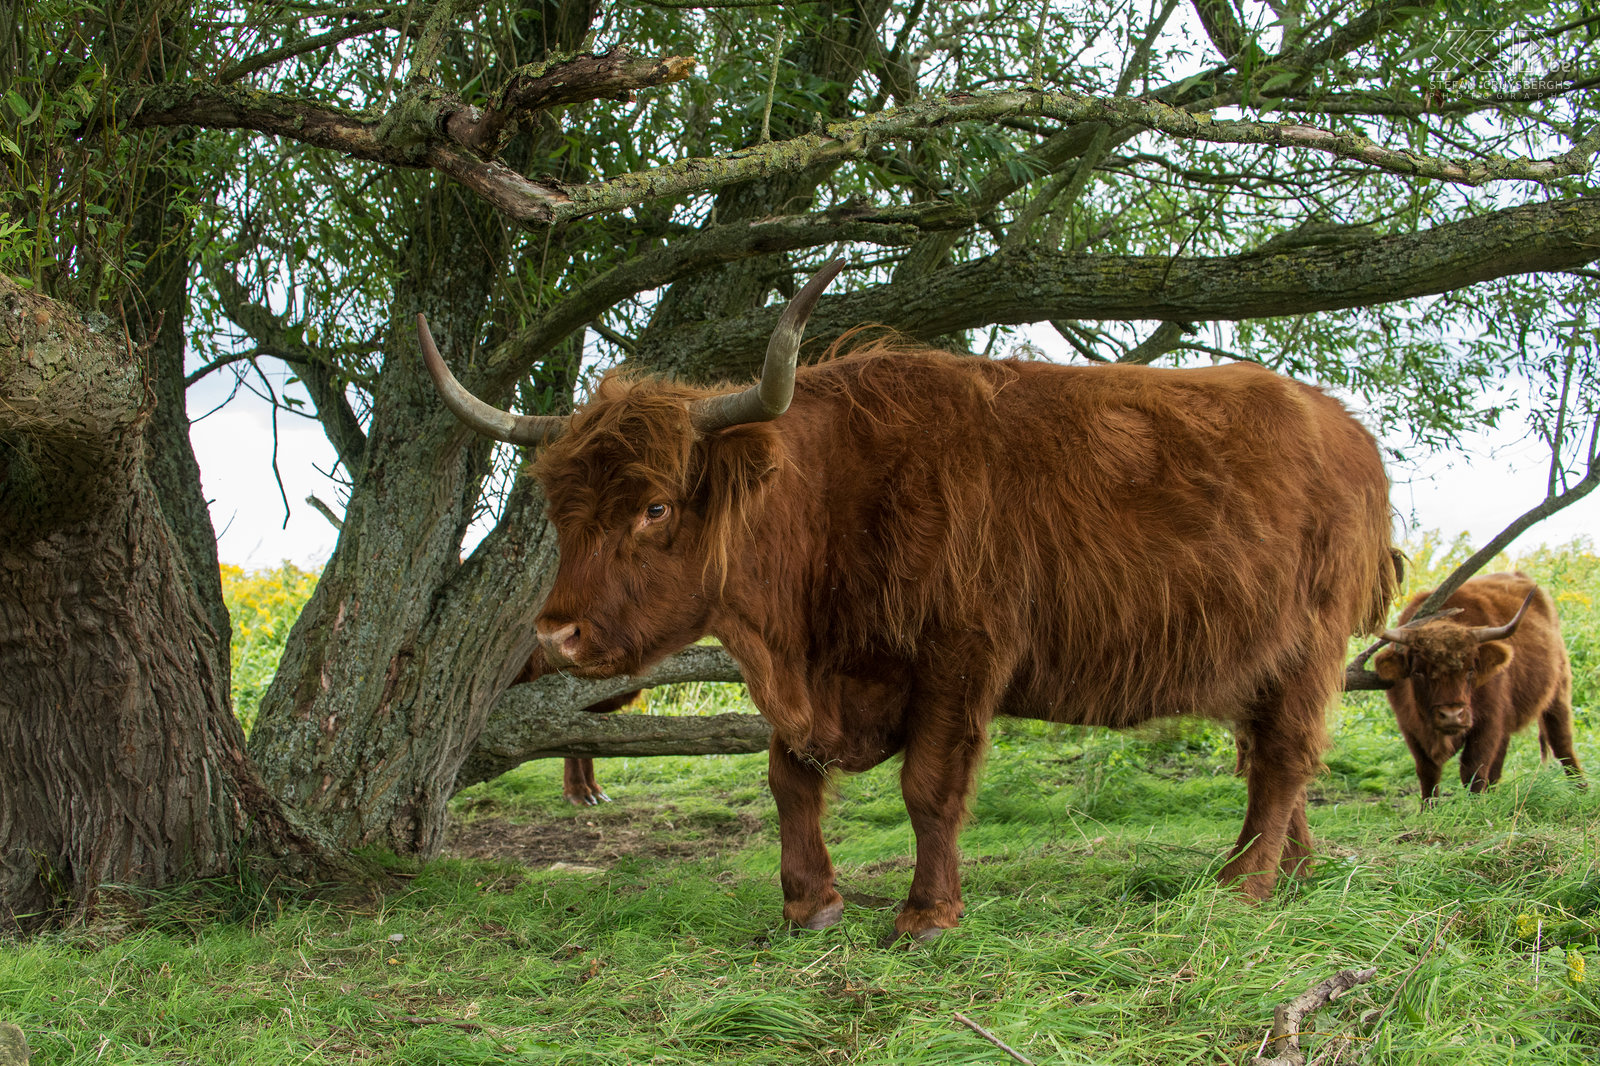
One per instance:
[(913, 938), (823, 918)]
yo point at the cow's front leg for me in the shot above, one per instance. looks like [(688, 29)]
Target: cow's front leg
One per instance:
[(804, 869), (1483, 757), (1428, 770)]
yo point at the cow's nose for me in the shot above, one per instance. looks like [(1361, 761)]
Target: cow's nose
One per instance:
[(560, 642), (1453, 716)]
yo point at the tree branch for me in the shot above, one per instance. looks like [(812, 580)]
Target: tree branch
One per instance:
[(542, 86), (1163, 339), (1035, 285), (545, 719), (274, 336), (273, 56), (549, 203)]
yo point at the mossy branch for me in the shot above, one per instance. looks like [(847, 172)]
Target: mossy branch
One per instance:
[(548, 203), (545, 719)]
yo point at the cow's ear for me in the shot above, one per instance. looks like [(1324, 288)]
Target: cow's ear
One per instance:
[(1392, 664), (731, 471), (733, 465), (1492, 658)]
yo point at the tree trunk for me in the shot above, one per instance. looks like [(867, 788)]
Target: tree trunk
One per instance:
[(392, 668), (161, 236), (349, 732), (124, 761)]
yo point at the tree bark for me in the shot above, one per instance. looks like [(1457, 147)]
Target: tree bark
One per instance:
[(546, 719), (124, 761), (161, 234), (1033, 285), (347, 733), (389, 673)]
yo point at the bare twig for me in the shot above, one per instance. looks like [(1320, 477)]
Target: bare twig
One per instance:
[(1289, 1017), (995, 1040), (1546, 507), (772, 87), (246, 67), (326, 511), (1438, 934)]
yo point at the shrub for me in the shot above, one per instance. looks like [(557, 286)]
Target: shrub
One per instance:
[(263, 605)]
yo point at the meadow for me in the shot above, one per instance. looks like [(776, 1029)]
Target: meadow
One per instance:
[(648, 930)]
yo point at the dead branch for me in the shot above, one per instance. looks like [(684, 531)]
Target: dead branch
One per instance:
[(1289, 1018), (995, 1040), (542, 86)]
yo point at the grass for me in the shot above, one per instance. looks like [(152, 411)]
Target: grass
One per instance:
[(648, 931), (1094, 933)]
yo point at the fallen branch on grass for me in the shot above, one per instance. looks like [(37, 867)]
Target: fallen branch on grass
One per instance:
[(995, 1040), (1289, 1017)]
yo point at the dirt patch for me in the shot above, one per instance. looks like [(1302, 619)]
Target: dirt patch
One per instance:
[(601, 838)]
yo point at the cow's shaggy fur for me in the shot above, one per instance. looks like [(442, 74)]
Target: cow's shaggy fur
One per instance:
[(924, 541), (1453, 694)]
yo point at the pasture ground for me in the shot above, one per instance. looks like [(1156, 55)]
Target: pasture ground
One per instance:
[(649, 931)]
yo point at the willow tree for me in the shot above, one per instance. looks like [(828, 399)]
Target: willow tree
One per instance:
[(124, 761), (1334, 192)]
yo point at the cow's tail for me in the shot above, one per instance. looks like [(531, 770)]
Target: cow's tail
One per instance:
[(1391, 576)]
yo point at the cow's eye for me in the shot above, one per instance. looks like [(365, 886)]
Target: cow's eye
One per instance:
[(655, 512)]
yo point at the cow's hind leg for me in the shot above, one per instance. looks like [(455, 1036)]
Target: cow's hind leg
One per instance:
[(799, 787), (936, 781), (956, 695), (578, 784), (1285, 739), (1555, 727)]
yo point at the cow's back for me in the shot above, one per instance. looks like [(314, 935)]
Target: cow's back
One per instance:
[(1148, 542)]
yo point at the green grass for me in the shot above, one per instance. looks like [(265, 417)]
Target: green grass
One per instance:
[(649, 930), (1093, 934)]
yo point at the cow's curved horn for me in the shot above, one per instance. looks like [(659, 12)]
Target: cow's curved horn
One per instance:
[(490, 421), (769, 397), (1398, 635), (1402, 634), (1488, 633)]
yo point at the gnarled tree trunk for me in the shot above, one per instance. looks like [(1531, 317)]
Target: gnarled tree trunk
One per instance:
[(123, 759)]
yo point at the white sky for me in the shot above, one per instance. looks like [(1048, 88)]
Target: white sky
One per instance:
[(1478, 491)]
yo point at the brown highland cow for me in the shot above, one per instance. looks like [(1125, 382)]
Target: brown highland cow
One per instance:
[(896, 544), (1467, 682)]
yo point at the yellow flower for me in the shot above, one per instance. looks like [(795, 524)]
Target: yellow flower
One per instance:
[(1575, 966), (1527, 925)]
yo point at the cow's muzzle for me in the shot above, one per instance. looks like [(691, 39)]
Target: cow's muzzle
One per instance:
[(1451, 719), (560, 642)]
